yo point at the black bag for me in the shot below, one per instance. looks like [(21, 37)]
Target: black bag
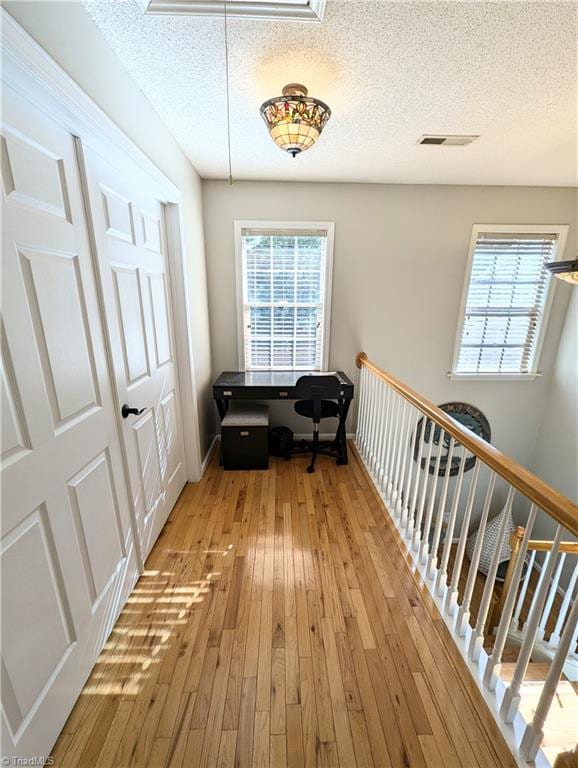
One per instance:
[(280, 442)]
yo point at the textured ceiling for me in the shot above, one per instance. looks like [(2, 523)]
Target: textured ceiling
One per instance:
[(390, 72)]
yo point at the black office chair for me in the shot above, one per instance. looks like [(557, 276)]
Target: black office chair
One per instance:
[(314, 390)]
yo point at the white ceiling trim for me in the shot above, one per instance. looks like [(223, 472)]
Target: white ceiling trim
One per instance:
[(289, 10)]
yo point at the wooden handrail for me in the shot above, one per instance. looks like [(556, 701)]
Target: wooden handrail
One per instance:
[(570, 547), (544, 496)]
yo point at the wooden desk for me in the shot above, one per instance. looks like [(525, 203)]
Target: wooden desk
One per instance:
[(279, 385)]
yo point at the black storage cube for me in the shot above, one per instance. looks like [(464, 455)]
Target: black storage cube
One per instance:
[(245, 437)]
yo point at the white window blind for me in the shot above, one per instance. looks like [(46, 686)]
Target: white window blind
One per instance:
[(506, 298), (284, 296)]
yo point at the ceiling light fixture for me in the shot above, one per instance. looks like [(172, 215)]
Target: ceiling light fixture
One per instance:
[(295, 120), (565, 270)]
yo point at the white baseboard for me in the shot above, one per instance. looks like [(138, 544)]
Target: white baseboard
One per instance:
[(205, 462)]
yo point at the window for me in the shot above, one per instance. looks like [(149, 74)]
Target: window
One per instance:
[(506, 300), (284, 289)]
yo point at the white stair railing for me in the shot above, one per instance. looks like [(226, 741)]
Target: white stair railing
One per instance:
[(554, 584), (554, 640), (416, 456), (560, 594)]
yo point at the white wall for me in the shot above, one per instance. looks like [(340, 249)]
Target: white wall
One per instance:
[(400, 260), (555, 456), (68, 34)]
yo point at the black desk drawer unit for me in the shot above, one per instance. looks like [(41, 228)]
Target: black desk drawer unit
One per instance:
[(245, 437)]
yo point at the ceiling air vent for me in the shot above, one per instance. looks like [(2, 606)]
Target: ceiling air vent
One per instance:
[(446, 141)]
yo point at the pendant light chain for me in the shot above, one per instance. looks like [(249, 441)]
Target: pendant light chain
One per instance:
[(228, 105)]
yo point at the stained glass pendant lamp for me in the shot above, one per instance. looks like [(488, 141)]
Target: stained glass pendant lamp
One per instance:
[(295, 120), (565, 270)]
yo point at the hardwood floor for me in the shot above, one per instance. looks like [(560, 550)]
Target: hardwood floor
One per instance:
[(278, 624)]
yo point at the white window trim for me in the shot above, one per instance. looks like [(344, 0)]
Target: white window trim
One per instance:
[(329, 227), (534, 229)]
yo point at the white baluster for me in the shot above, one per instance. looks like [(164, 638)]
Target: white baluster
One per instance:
[(555, 636), (382, 437), (408, 466), (374, 383), (380, 443), (433, 557), (464, 611), (412, 503), (405, 461), (417, 533), (367, 407), (372, 390), (380, 432), (550, 599), (541, 577), (424, 548), (534, 731), (477, 636), (494, 664), (390, 441), (364, 434), (379, 387), (523, 592), (452, 594), (362, 418), (385, 434), (395, 491), (394, 445), (441, 582), (359, 407), (511, 698), (398, 451)]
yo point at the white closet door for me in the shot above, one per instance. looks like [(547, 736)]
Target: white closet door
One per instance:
[(129, 233), (67, 550)]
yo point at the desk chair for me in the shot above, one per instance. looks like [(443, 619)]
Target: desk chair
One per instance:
[(314, 390)]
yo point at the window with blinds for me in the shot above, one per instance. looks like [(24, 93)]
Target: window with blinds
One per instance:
[(284, 310), (505, 303)]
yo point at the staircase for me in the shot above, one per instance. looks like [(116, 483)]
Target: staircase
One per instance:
[(519, 639), (558, 601)]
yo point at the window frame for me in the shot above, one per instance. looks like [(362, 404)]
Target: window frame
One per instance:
[(329, 228), (534, 229)]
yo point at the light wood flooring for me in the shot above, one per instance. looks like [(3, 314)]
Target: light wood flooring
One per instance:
[(278, 624)]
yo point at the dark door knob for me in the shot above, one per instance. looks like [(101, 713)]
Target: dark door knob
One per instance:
[(127, 411)]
